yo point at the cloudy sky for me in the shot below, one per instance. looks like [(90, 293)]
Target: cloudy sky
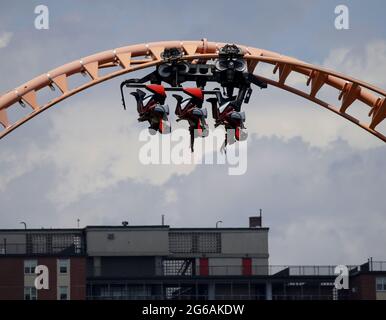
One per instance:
[(319, 179)]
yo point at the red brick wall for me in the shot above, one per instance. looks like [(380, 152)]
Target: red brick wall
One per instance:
[(365, 287), (51, 293), (11, 278), (78, 279)]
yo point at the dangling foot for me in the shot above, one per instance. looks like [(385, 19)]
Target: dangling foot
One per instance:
[(138, 94)]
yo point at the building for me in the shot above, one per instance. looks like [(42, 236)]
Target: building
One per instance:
[(159, 262), (61, 250)]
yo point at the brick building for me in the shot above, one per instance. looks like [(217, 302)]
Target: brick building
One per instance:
[(61, 250), (159, 262)]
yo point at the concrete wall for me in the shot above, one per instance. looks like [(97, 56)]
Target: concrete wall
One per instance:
[(381, 295), (225, 266), (128, 242), (260, 266), (152, 241), (254, 243)]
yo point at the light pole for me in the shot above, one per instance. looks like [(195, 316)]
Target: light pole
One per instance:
[(218, 223), (25, 225)]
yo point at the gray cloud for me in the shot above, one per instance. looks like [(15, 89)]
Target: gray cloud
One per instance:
[(323, 205), (319, 179), (5, 38)]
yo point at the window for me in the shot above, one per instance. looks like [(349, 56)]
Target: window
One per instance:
[(36, 243), (174, 267), (195, 242), (48, 243), (63, 293), (29, 266), (381, 284), (68, 243), (30, 293), (63, 265)]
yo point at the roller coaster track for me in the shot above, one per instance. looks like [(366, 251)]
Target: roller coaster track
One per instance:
[(141, 56)]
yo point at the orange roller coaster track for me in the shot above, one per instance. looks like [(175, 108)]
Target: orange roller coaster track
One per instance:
[(140, 56)]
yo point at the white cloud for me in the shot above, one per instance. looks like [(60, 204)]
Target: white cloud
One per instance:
[(92, 153), (367, 63), (170, 196), (5, 38), (16, 164), (276, 112)]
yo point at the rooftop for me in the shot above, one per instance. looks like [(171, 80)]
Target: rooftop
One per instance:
[(120, 227)]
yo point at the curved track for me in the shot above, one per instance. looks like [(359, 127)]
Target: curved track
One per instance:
[(136, 57)]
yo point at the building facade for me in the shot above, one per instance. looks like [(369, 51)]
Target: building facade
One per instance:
[(62, 251), (159, 262)]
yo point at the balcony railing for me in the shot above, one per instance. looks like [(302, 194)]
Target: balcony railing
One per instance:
[(281, 271), (377, 266), (216, 297), (40, 249)]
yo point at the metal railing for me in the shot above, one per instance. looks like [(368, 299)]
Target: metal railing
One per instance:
[(377, 266), (39, 249), (238, 270), (215, 297), (13, 248)]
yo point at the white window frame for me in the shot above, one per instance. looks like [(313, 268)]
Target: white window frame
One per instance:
[(63, 263), (29, 266), (65, 288), (382, 282), (32, 292)]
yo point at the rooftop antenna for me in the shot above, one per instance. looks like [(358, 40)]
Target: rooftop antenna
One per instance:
[(163, 219), (25, 225), (78, 220)]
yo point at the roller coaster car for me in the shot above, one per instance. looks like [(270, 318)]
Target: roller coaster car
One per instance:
[(230, 71), (152, 108), (225, 113), (191, 110)]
